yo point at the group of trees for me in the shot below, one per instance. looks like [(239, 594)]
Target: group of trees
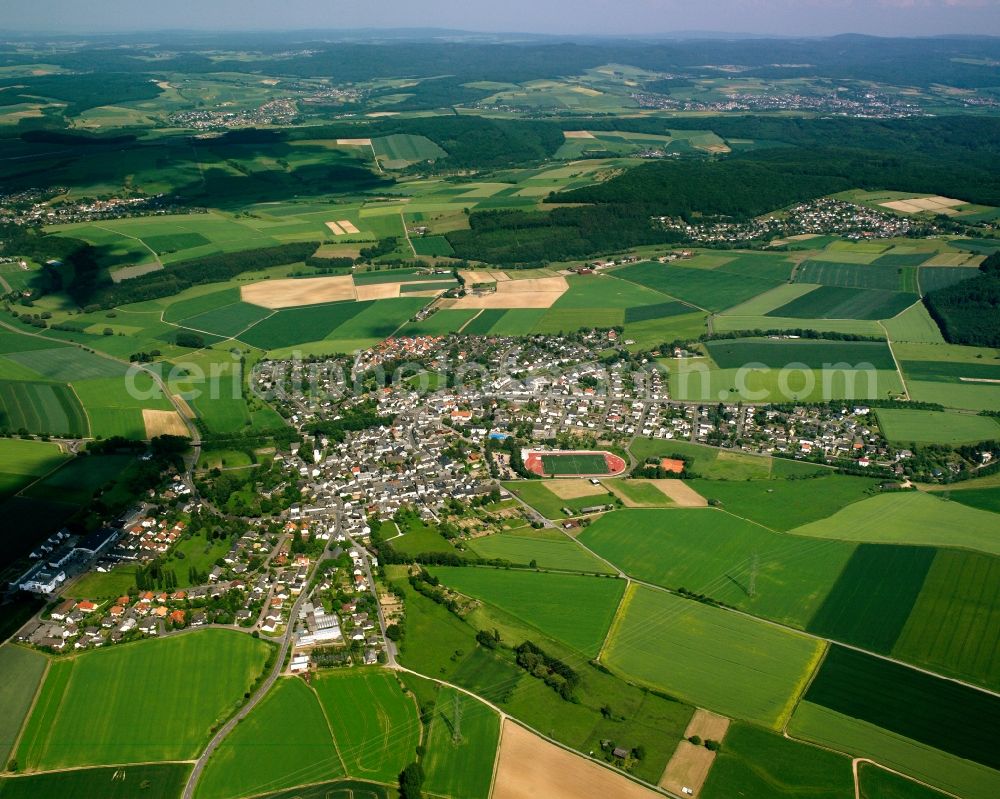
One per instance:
[(969, 312), (552, 671)]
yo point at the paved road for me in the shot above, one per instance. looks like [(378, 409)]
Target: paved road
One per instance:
[(259, 694)]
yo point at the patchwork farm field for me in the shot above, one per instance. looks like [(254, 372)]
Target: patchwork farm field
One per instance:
[(710, 462), (284, 742), (814, 354), (210, 668), (375, 725), (910, 518), (709, 552), (859, 738), (936, 712), (41, 408), (23, 461), (574, 610), (755, 762), (710, 657), (702, 288), (839, 302), (871, 601)]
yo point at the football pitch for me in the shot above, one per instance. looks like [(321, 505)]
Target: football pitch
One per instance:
[(559, 465)]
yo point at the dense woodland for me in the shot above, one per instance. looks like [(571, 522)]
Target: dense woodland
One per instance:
[(969, 312)]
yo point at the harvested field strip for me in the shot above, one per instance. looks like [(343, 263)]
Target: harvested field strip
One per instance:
[(869, 604), (288, 293), (529, 766), (928, 709)]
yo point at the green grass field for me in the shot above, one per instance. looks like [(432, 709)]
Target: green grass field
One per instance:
[(954, 625), (199, 677), (284, 742), (703, 288), (757, 763), (937, 712), (338, 789), (785, 504), (22, 461), (910, 518), (299, 325), (80, 478), (932, 427), (858, 276), (22, 669), (151, 781), (982, 498), (914, 324), (839, 302), (869, 604), (547, 552), (42, 408), (639, 492), (709, 552), (460, 765), (814, 353), (710, 657), (861, 739), (572, 609), (877, 783), (375, 725)]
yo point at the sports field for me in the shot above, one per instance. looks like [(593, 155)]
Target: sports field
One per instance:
[(575, 610), (910, 518), (710, 657), (78, 721), (461, 744), (284, 742), (375, 725), (709, 552), (932, 427)]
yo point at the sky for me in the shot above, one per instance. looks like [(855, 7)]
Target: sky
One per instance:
[(571, 17)]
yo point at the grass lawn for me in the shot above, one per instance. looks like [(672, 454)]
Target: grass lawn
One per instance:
[(573, 609), (861, 739), (574, 464), (785, 504), (153, 781), (284, 742), (419, 537), (910, 518), (709, 552), (200, 678), (639, 492), (462, 764), (375, 725), (710, 657), (104, 585), (758, 763), (522, 548), (933, 427), (22, 670)]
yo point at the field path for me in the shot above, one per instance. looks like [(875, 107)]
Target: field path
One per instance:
[(895, 360), (155, 255), (406, 233), (855, 762)]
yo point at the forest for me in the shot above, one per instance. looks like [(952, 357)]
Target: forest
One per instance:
[(969, 312)]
